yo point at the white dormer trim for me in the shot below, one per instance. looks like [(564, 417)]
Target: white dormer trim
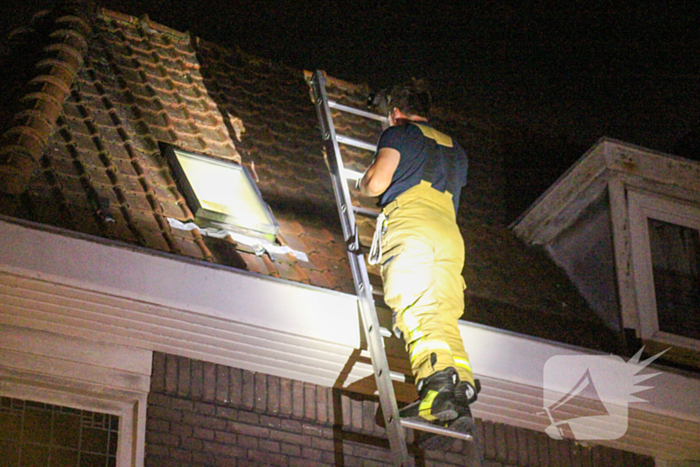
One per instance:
[(644, 206), (621, 170)]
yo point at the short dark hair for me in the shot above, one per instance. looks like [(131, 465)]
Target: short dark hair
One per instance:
[(412, 98)]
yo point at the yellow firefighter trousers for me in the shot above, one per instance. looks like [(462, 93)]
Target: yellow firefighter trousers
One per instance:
[(422, 261)]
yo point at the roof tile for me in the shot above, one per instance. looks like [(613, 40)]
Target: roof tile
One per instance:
[(64, 30), (292, 271), (194, 248), (255, 263), (141, 84), (88, 222)]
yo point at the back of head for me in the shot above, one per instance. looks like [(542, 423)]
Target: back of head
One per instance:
[(412, 98)]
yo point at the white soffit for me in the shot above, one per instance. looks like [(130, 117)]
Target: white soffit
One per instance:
[(212, 291), (54, 281), (76, 287), (512, 370)]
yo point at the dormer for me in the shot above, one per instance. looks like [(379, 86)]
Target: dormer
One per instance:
[(624, 223)]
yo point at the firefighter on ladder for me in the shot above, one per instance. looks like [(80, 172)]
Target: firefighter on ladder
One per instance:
[(418, 173)]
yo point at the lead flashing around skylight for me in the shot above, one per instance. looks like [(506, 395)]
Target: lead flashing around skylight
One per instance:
[(560, 206), (258, 245), (219, 292)]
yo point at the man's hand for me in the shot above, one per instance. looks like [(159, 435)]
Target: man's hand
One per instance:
[(377, 177)]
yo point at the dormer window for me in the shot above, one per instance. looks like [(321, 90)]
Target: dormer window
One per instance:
[(624, 223), (221, 194), (665, 239)]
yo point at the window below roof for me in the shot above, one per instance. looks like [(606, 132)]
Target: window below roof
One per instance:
[(35, 433), (674, 260), (665, 241), (221, 193), (70, 398)]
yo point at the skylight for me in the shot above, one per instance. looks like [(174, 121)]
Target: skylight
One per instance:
[(221, 193)]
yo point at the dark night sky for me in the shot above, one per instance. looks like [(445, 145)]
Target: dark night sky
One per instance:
[(580, 69)]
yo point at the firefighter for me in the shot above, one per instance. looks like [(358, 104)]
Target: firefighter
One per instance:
[(417, 174)]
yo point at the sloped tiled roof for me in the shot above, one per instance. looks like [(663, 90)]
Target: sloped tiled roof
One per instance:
[(100, 170), (92, 164)]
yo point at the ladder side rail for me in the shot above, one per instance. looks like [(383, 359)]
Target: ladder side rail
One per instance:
[(395, 433), (382, 374), (335, 163)]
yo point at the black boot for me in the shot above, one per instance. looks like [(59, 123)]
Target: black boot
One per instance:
[(437, 398), (466, 394)]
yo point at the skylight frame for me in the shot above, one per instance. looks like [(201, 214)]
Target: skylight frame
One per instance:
[(265, 224)]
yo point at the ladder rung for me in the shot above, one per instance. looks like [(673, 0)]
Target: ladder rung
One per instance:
[(367, 213), (438, 430), (353, 110), (395, 375), (398, 377), (385, 332), (356, 142), (351, 174)]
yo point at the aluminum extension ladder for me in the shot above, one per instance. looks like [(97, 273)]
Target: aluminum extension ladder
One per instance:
[(339, 174)]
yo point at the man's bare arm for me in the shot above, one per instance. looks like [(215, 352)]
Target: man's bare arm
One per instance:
[(377, 177)]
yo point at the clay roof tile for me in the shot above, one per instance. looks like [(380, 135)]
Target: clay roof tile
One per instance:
[(63, 32)]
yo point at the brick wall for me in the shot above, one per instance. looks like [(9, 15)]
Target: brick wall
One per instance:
[(201, 414)]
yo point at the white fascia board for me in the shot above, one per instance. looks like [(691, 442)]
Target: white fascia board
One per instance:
[(521, 360), (584, 181), (560, 205), (190, 286), (653, 166), (513, 367)]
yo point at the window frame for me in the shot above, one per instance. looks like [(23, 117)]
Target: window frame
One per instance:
[(127, 409), (29, 371), (641, 207), (206, 216)]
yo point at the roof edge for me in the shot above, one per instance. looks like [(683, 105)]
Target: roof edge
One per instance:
[(339, 83), (522, 225), (561, 204), (65, 30), (128, 297), (147, 23)]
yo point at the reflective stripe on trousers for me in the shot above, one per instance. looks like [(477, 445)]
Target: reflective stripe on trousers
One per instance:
[(422, 261)]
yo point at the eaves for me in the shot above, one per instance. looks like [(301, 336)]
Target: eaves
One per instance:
[(76, 286), (608, 160)]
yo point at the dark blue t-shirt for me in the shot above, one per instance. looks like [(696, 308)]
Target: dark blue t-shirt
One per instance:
[(424, 150)]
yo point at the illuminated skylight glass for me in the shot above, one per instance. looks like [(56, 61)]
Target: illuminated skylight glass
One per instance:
[(221, 193)]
